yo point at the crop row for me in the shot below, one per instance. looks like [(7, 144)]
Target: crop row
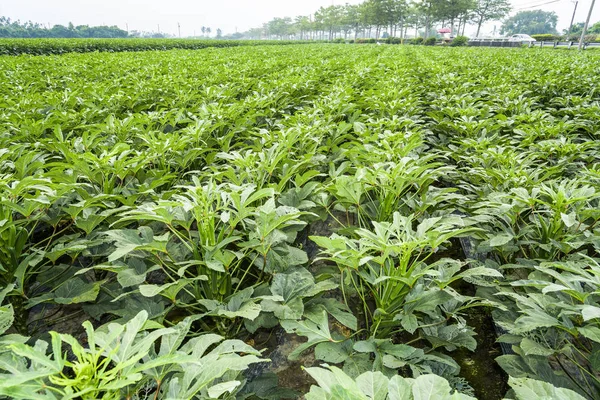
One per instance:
[(62, 46), (376, 201)]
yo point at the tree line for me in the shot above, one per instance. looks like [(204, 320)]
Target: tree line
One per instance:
[(16, 29), (382, 18), (403, 18)]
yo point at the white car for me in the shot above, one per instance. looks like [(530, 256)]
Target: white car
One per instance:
[(521, 38)]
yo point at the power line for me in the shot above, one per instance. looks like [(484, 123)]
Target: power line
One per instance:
[(527, 3), (538, 5)]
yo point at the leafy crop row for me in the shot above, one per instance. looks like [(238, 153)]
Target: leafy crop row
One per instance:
[(60, 46), (370, 200)]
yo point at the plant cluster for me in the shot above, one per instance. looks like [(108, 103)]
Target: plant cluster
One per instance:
[(370, 200)]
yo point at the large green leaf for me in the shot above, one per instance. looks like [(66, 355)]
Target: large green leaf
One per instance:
[(527, 389), (76, 290), (315, 328)]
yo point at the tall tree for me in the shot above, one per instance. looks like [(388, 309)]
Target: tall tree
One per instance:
[(489, 10), (531, 23), (303, 25), (452, 10)]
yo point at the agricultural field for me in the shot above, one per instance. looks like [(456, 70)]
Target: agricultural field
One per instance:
[(319, 221)]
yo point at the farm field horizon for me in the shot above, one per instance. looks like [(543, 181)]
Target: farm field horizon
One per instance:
[(321, 220)]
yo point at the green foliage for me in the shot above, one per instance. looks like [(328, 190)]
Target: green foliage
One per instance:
[(531, 22), (489, 10), (334, 384), (364, 198), (546, 37), (122, 361), (430, 41), (61, 46), (15, 29), (390, 264), (554, 317), (459, 41)]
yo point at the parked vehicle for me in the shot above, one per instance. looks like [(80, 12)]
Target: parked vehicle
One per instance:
[(520, 37)]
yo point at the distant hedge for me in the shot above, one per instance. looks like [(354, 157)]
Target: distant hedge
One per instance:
[(546, 37), (575, 38), (61, 46)]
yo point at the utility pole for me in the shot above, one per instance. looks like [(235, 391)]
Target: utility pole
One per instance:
[(585, 27), (572, 19), (127, 28), (158, 27), (179, 30)]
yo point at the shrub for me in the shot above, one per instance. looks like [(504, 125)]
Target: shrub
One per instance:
[(546, 38), (418, 40), (592, 38), (459, 41), (364, 41), (430, 41)]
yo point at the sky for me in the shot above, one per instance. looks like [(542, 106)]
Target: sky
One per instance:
[(228, 15)]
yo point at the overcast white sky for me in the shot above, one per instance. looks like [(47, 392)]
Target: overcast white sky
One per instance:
[(146, 15)]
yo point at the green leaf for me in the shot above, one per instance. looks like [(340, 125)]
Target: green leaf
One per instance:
[(7, 313), (500, 240), (409, 322), (480, 271), (590, 332), (527, 389), (292, 284), (76, 291), (425, 301), (513, 365), (531, 347), (590, 312), (153, 290), (333, 352), (315, 328), (225, 387), (569, 219), (337, 310), (534, 319), (291, 287), (430, 387), (400, 388), (374, 385), (356, 364), (248, 310)]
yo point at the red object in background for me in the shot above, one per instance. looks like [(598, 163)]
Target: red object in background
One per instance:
[(445, 30)]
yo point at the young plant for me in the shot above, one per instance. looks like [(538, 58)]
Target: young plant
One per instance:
[(135, 360)]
